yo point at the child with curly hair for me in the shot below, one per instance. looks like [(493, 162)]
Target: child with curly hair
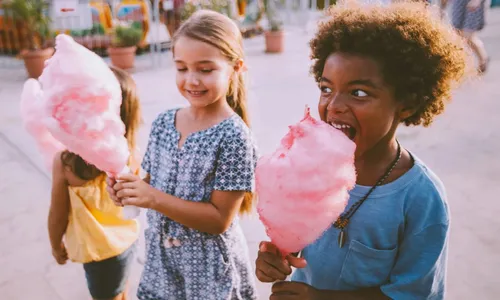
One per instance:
[(379, 67)]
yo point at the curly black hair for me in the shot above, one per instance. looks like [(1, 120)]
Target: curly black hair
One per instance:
[(420, 56)]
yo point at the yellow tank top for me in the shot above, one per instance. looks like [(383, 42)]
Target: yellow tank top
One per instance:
[(96, 230)]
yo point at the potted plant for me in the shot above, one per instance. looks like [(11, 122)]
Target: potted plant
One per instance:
[(124, 45), (274, 36), (31, 17), (94, 38), (220, 6), (250, 25), (242, 5)]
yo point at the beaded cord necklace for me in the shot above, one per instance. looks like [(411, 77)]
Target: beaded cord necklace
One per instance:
[(343, 219)]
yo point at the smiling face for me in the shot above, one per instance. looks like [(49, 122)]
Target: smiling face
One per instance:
[(356, 100), (203, 73)]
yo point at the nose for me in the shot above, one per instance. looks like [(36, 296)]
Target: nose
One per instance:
[(337, 104), (192, 79)]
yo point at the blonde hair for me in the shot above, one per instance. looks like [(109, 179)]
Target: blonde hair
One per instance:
[(130, 113), (130, 110), (222, 33)]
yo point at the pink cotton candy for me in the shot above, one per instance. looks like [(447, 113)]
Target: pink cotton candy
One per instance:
[(76, 103), (33, 115), (303, 186), (82, 98)]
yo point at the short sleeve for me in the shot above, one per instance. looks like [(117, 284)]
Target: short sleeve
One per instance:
[(235, 167), (419, 271), (146, 160)]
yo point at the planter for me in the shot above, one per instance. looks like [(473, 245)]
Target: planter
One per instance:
[(242, 5), (94, 42), (123, 58), (320, 5), (34, 61), (274, 41)]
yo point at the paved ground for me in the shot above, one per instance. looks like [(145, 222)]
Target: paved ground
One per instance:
[(461, 147)]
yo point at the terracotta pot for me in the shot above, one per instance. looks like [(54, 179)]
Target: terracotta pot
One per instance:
[(34, 60), (274, 41), (123, 58), (242, 6)]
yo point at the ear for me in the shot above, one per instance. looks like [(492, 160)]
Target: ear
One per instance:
[(406, 113), (407, 108), (239, 66)]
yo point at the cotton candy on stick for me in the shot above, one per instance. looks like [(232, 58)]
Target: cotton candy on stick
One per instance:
[(33, 115), (83, 98), (303, 186)]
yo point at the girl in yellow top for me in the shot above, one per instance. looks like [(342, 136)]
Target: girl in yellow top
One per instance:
[(82, 212)]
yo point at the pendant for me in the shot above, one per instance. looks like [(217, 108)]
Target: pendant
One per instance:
[(341, 239)]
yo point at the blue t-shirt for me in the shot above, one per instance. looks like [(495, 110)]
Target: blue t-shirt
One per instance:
[(397, 240)]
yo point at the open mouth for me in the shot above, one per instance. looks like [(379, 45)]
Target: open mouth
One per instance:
[(348, 130), (196, 93)]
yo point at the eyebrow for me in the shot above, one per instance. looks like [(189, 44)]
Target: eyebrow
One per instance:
[(198, 62), (366, 82)]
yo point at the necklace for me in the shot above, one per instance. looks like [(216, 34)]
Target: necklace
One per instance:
[(344, 218)]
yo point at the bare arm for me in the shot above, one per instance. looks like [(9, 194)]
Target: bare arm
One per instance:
[(293, 290), (364, 294), (270, 267), (60, 204), (213, 217)]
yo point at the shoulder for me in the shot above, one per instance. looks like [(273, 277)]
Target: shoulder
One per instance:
[(235, 134), (164, 119), (426, 203), (236, 130), (63, 173), (60, 172), (427, 182)]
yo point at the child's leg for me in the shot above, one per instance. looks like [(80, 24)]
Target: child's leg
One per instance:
[(121, 296), (107, 279), (124, 295), (477, 47)]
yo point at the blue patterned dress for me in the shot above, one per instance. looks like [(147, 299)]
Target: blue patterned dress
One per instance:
[(463, 19), (184, 263)]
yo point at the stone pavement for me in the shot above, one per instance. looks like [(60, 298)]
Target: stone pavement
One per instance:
[(461, 147)]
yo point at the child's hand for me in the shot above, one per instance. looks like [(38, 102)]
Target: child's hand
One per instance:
[(111, 182), (60, 254), (269, 265), (289, 290), (130, 189)]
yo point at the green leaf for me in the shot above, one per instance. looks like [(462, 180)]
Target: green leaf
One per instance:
[(35, 16), (126, 36)]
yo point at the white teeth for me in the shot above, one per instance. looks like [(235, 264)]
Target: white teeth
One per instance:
[(196, 93), (340, 126)]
